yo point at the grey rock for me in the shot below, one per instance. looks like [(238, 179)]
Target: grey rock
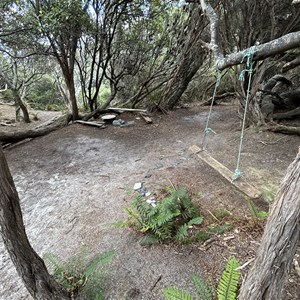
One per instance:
[(158, 166), (118, 122), (128, 124)]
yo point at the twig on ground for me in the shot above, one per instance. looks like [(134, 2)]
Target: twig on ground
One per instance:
[(271, 143)]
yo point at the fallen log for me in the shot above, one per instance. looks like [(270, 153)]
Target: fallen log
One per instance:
[(121, 109), (294, 113), (43, 129), (292, 130), (99, 111)]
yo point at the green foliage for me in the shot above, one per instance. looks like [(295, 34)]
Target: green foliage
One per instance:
[(219, 229), (172, 293), (204, 290), (269, 191), (79, 275), (256, 213), (227, 288), (172, 217), (228, 285), (221, 213), (44, 95)]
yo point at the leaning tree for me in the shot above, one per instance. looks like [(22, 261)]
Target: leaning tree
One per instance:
[(30, 267)]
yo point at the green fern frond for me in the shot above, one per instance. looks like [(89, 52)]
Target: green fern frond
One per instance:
[(142, 208), (121, 224), (172, 293), (163, 232), (228, 285), (253, 208), (100, 260), (54, 264), (219, 229), (182, 233), (195, 221), (148, 240), (166, 215), (203, 289), (198, 236)]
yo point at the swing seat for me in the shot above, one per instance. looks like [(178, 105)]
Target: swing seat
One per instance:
[(243, 186)]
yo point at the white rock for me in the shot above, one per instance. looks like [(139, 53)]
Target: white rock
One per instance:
[(137, 186)]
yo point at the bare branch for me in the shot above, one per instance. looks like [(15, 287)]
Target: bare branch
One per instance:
[(4, 88), (284, 43), (214, 21)]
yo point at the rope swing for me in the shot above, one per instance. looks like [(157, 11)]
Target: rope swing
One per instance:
[(249, 69)]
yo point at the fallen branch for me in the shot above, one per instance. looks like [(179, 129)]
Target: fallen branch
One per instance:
[(287, 115), (292, 130), (147, 119), (7, 124), (218, 97), (120, 109), (272, 143), (43, 129)]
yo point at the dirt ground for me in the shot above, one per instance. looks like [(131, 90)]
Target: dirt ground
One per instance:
[(74, 184)]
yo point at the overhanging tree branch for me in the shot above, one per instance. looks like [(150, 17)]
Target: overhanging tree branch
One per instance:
[(271, 48), (284, 43)]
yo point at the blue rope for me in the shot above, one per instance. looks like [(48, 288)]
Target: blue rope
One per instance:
[(249, 64), (207, 130)]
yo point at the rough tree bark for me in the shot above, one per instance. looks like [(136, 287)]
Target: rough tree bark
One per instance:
[(267, 277), (189, 61), (29, 265)]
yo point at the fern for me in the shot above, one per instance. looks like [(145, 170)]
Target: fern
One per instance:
[(228, 285), (148, 240), (54, 264), (172, 293), (219, 229), (171, 217), (204, 291), (256, 213), (182, 233), (79, 276)]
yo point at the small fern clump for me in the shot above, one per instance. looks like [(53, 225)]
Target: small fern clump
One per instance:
[(173, 216), (78, 275), (227, 288)]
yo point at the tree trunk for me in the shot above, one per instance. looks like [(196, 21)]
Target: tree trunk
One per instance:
[(72, 94), (20, 105), (189, 60), (29, 265), (180, 81), (47, 127), (267, 277)]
